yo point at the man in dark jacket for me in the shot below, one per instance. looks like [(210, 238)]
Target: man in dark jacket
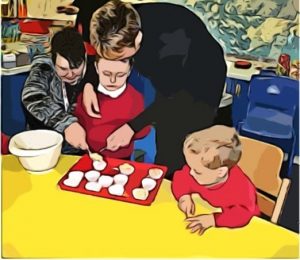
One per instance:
[(185, 64)]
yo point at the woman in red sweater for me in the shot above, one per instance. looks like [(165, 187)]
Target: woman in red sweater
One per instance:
[(211, 171), (119, 103)]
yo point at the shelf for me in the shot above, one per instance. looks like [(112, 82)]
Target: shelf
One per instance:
[(16, 70)]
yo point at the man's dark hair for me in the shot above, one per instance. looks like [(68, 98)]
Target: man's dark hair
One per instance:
[(69, 44)]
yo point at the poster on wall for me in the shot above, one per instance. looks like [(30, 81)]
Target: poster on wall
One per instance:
[(42, 9), (9, 8), (22, 8), (47, 9)]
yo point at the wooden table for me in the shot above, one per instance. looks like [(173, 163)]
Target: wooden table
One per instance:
[(40, 220)]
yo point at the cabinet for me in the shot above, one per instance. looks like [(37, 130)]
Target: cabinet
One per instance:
[(12, 114), (239, 90)]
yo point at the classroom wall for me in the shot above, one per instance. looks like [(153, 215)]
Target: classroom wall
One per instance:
[(260, 28)]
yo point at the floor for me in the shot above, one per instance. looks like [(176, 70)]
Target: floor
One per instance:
[(290, 215)]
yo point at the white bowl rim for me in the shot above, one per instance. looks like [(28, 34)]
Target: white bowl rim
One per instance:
[(36, 152)]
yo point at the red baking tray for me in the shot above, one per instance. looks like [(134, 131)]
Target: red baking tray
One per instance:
[(134, 180)]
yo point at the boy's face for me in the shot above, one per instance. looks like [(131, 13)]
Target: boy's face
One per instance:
[(112, 73), (67, 74), (201, 173)]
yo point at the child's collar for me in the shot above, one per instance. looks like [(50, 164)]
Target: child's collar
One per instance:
[(212, 186), (112, 94), (217, 185)]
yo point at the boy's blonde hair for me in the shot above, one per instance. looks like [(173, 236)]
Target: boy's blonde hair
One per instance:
[(219, 146), (114, 26)]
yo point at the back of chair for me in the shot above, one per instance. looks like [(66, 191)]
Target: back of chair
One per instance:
[(273, 102), (274, 92), (143, 85), (261, 162), (146, 88)]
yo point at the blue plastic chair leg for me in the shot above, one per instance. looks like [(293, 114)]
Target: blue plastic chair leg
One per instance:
[(148, 145)]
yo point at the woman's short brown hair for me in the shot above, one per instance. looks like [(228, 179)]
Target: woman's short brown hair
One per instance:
[(114, 26), (219, 146)]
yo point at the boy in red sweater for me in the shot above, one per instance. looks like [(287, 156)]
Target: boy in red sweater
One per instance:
[(4, 143), (211, 171), (119, 103)]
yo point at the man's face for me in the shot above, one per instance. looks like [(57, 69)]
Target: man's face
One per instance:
[(112, 73), (67, 74)]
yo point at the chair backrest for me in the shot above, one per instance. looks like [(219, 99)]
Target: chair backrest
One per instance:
[(273, 106), (261, 162), (146, 88), (147, 145), (143, 85), (281, 93)]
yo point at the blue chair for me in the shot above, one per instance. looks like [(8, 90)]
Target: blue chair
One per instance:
[(148, 147), (143, 85), (271, 114), (147, 144)]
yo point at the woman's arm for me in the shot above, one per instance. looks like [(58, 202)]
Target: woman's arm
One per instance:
[(39, 103)]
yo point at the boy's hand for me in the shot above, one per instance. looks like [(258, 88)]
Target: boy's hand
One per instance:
[(119, 138), (90, 101), (187, 205), (201, 223), (75, 135)]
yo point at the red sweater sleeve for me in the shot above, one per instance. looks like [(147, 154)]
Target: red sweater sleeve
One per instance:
[(142, 133), (4, 144), (239, 214), (78, 111), (180, 184)]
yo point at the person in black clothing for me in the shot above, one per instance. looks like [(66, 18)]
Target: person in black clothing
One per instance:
[(175, 51)]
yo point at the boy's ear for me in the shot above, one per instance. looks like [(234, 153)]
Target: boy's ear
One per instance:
[(129, 71), (222, 171), (96, 67)]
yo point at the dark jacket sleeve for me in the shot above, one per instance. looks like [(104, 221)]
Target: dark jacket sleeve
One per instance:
[(91, 75), (180, 113), (39, 102), (148, 116)]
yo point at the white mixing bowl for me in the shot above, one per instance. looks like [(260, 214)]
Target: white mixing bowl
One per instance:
[(37, 150)]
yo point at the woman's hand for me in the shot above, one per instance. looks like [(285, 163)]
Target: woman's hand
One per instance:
[(90, 101), (75, 135)]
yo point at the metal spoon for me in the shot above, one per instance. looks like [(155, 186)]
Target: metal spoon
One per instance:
[(95, 156), (101, 150)]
